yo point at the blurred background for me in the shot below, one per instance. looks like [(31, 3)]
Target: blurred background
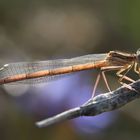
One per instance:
[(50, 29)]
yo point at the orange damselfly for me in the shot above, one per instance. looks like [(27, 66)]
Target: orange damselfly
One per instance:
[(42, 71)]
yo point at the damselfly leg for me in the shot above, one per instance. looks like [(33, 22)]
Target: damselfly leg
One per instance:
[(102, 73), (121, 73)]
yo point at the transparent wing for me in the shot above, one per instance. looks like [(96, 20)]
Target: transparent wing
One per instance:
[(31, 67)]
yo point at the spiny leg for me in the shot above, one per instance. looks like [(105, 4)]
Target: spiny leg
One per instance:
[(119, 74), (95, 87), (102, 73), (103, 70), (96, 84), (123, 76), (105, 80)]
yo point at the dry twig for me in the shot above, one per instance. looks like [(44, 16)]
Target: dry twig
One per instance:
[(99, 104)]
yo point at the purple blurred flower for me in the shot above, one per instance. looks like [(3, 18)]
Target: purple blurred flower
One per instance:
[(49, 99)]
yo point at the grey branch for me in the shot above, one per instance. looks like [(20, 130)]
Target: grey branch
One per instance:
[(97, 105)]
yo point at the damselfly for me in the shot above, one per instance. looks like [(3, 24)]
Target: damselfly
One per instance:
[(40, 71)]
